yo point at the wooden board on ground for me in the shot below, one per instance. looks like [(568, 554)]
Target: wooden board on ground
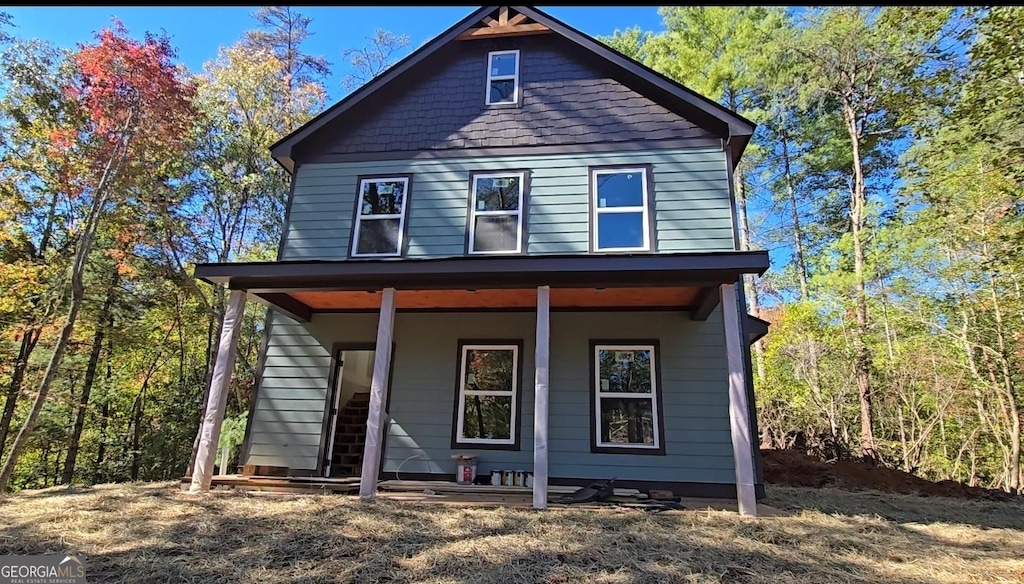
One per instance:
[(452, 487), (264, 470)]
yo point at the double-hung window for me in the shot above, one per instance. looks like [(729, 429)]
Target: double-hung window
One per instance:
[(502, 77), (380, 217), (487, 403), (620, 203), (496, 217), (626, 397)]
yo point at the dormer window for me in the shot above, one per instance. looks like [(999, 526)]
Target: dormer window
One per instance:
[(503, 77)]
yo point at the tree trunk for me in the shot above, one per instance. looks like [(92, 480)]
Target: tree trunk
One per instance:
[(1013, 483), (137, 409), (92, 221), (32, 334), (28, 343), (862, 360), (90, 378), (749, 285), (798, 234)]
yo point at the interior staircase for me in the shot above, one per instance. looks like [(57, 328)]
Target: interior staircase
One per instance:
[(350, 437)]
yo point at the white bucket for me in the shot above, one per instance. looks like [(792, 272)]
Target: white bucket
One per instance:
[(466, 472)]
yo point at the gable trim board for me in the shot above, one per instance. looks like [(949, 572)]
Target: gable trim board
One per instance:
[(496, 152), (733, 128)]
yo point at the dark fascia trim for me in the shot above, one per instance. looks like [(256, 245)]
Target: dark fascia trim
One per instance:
[(659, 413), (734, 127), (679, 309), (404, 220), (652, 232), (285, 304), (282, 149), (678, 488), (516, 422), (495, 152), (757, 328), (523, 208), (706, 303), (488, 271)]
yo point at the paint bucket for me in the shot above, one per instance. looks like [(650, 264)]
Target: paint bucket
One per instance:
[(496, 478), (519, 479), (529, 480), (506, 478), (466, 471)]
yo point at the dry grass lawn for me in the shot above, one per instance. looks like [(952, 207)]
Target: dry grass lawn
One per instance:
[(156, 533)]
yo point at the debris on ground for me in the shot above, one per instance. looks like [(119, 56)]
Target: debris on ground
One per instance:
[(797, 469)]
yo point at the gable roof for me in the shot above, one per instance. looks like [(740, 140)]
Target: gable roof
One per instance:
[(729, 125)]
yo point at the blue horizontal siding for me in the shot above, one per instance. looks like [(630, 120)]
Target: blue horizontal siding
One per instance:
[(690, 189)]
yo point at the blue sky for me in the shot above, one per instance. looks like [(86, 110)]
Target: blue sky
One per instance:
[(197, 31)]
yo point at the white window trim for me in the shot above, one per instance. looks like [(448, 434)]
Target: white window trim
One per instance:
[(514, 77), (461, 414), (475, 213), (400, 216), (644, 208), (653, 396)]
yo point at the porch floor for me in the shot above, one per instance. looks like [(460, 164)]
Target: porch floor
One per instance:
[(455, 495)]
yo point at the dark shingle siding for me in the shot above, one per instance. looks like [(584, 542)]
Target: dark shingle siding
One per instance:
[(440, 104)]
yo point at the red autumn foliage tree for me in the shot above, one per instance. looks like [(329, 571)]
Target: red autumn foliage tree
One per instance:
[(138, 113)]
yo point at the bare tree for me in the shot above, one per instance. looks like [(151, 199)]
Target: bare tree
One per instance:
[(374, 58)]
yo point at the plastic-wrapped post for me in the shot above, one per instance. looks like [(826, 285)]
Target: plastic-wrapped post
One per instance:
[(738, 407), (540, 401), (378, 389), (213, 418)]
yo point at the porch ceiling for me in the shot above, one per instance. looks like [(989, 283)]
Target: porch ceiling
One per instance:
[(678, 297), (651, 280)]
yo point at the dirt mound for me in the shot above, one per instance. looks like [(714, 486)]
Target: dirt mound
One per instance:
[(796, 469)]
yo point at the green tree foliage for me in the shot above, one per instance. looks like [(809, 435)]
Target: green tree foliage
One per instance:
[(886, 173)]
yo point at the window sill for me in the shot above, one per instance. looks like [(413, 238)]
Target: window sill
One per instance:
[(456, 445), (660, 451), (502, 105)]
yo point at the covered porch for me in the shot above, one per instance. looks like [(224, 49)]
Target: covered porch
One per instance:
[(693, 284)]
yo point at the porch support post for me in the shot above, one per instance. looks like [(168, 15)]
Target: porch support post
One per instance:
[(209, 433), (378, 395), (739, 408), (540, 400)]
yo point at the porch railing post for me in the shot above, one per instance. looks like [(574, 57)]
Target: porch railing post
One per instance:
[(540, 400), (739, 419), (213, 418), (378, 395)]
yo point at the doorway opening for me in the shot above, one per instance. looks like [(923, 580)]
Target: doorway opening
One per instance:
[(350, 404)]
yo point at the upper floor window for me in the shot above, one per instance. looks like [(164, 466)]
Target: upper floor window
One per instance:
[(380, 217), (502, 77), (620, 200), (496, 219)]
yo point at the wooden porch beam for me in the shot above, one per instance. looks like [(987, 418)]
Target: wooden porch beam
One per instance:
[(540, 399), (739, 407), (503, 31), (706, 303), (213, 418), (375, 418)]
